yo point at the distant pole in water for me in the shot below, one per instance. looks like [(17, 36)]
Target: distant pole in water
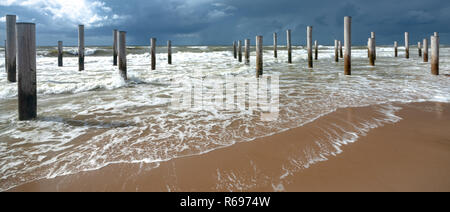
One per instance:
[(407, 45), (60, 53), (341, 52), (425, 50), (372, 51), (169, 52), (395, 49), (368, 48), (259, 56), (11, 47), (275, 45), (80, 47), (336, 51), (240, 51), (348, 45), (436, 34), (115, 47), (419, 48), (122, 55), (316, 50), (153, 52), (372, 35), (309, 45), (435, 55), (289, 45), (247, 51), (234, 50), (26, 64)]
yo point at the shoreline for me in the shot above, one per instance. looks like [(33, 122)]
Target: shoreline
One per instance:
[(277, 162)]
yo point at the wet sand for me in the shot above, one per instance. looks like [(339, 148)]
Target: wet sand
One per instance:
[(410, 155)]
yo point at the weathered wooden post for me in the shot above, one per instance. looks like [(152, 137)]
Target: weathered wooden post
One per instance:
[(153, 52), (275, 45), (309, 46), (240, 51), (122, 55), (348, 45), (407, 45), (289, 45), (60, 53), (425, 50), (395, 49), (419, 48), (259, 56), (341, 52), (372, 51), (368, 48), (372, 35), (435, 55), (247, 51), (316, 50), (436, 34), (26, 64), (80, 47), (6, 58), (336, 51), (169, 52), (234, 50), (11, 47), (115, 47)]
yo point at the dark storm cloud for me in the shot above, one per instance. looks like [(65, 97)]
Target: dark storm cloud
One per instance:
[(203, 22)]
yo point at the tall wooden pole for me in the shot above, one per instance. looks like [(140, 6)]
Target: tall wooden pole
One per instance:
[(60, 53), (372, 35), (153, 52), (240, 51), (259, 56), (341, 52), (234, 50), (316, 50), (435, 55), (169, 52), (336, 51), (348, 45), (26, 64), (247, 51), (407, 45), (309, 46), (395, 49), (122, 55), (419, 48), (80, 47), (275, 45), (11, 47), (425, 50), (6, 58), (372, 51), (115, 47), (289, 45)]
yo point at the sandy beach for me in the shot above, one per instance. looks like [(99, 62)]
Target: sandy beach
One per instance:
[(412, 154)]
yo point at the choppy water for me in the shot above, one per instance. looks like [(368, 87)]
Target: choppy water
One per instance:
[(87, 120)]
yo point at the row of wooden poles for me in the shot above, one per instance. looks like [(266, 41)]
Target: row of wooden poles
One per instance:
[(24, 35)]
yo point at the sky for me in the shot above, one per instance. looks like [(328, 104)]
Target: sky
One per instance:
[(220, 22)]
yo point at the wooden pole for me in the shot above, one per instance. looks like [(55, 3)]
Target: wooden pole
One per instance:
[(169, 52), (368, 48), (372, 35), (309, 46), (247, 51), (436, 34), (348, 45), (6, 58), (275, 45), (11, 47), (80, 47), (425, 50), (289, 45), (435, 55), (234, 50), (115, 47), (336, 51), (122, 55), (153, 52), (26, 64), (372, 51), (407, 45), (240, 51), (316, 50), (259, 56), (419, 48), (395, 49), (60, 53), (341, 52)]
